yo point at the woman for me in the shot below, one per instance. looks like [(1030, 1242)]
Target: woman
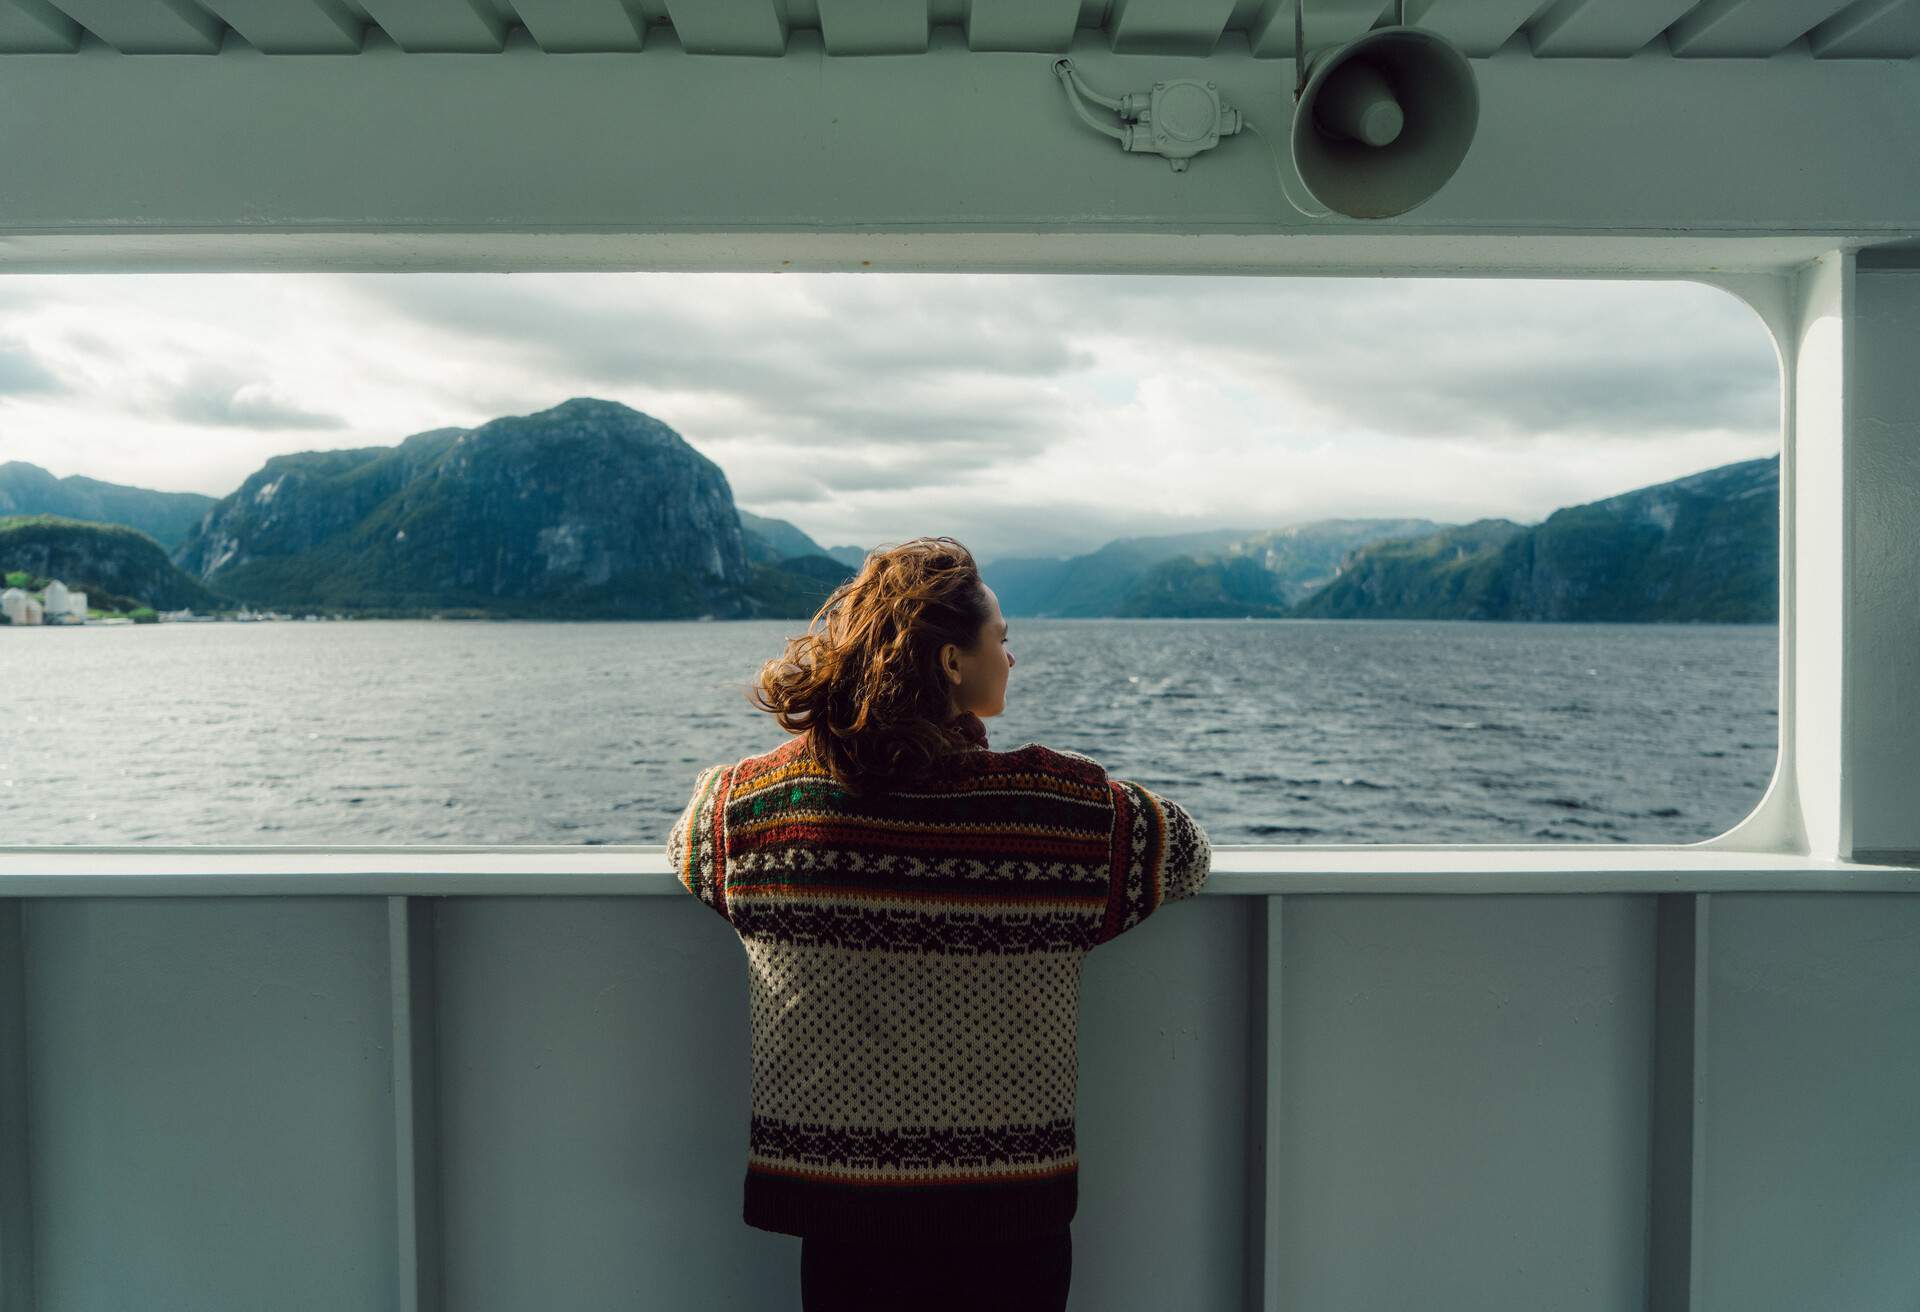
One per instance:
[(915, 909)]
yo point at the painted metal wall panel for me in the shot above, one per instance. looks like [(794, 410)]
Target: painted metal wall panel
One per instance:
[(1883, 544), (1463, 1103), (593, 1108), (1464, 1106), (1811, 1113), (209, 1103), (1164, 1121)]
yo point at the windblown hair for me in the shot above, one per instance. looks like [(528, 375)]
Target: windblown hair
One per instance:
[(864, 682)]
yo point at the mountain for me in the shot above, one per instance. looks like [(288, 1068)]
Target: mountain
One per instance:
[(594, 510), (1703, 549), (798, 586), (590, 509), (299, 503), (1093, 584), (1263, 575), (773, 540), (119, 568), (1233, 571), (166, 517), (1210, 588), (802, 573), (1442, 575)]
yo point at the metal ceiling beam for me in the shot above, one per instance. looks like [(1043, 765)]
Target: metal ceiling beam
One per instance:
[(1603, 28), (434, 26), (874, 27), (1478, 27), (149, 27), (577, 26), (1184, 26), (1325, 23), (730, 27), (1551, 29), (36, 27), (1869, 29), (293, 27), (1751, 29), (1020, 24)]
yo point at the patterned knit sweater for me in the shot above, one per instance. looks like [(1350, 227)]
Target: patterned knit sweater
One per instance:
[(914, 976)]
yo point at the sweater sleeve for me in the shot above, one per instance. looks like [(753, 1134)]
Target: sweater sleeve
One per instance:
[(696, 846), (1160, 855)]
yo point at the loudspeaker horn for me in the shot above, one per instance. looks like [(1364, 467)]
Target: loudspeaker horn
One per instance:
[(1383, 121)]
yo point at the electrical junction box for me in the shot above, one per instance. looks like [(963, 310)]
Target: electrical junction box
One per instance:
[(1178, 119)]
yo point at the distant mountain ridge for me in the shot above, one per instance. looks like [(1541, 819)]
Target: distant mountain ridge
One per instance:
[(1704, 548), (1097, 582), (166, 517), (776, 540), (592, 509), (1232, 572)]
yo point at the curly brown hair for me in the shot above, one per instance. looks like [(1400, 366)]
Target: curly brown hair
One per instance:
[(863, 683)]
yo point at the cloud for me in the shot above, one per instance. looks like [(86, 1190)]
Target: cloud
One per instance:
[(1489, 358), (214, 397), (755, 492), (21, 372), (911, 468), (754, 358)]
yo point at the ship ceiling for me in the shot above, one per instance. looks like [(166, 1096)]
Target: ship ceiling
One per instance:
[(1546, 29)]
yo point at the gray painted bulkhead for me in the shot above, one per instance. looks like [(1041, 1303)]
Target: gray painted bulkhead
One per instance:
[(1309, 1101), (1345, 1078)]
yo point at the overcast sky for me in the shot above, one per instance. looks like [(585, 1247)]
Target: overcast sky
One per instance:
[(1022, 414)]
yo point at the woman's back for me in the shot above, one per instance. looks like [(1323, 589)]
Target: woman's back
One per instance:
[(914, 959)]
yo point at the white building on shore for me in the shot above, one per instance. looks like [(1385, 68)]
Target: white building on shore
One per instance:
[(21, 607), (64, 606), (57, 605)]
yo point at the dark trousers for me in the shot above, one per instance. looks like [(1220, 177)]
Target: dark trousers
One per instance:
[(1025, 1275)]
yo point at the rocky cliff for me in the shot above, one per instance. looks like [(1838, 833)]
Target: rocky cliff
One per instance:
[(590, 509)]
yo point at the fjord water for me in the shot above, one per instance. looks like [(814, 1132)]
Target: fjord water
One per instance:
[(1269, 731)]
